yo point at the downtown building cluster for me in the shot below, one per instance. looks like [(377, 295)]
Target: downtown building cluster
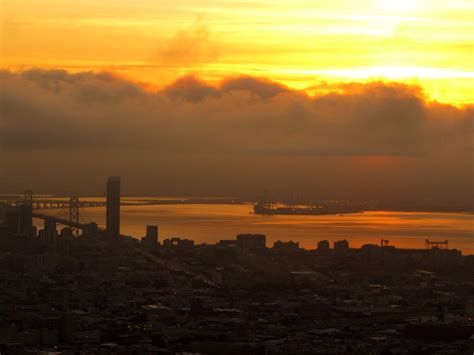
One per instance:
[(103, 292)]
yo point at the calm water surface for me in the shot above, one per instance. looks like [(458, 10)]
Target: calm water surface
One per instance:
[(210, 223)]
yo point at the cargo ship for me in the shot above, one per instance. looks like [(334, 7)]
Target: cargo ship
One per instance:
[(313, 210)]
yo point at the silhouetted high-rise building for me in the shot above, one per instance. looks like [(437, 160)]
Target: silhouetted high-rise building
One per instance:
[(11, 220), (151, 238), (19, 219), (251, 241), (48, 235), (91, 230), (113, 208), (151, 234), (25, 219), (323, 245), (341, 246)]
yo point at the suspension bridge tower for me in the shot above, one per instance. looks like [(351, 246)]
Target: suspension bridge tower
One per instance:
[(28, 198)]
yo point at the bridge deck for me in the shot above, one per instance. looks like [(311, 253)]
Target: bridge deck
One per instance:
[(59, 220)]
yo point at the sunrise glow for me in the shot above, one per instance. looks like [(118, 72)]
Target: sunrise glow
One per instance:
[(429, 42)]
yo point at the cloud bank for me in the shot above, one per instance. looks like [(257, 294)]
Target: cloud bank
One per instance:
[(237, 137)]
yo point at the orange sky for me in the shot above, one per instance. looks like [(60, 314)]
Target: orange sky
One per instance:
[(299, 43)]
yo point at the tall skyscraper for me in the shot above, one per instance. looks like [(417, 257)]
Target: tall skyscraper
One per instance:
[(50, 233), (151, 235), (113, 208), (25, 219)]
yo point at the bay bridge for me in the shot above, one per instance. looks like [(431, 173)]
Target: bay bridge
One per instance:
[(60, 220), (40, 204), (69, 208), (73, 205)]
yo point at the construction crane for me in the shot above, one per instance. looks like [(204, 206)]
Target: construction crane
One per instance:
[(436, 244)]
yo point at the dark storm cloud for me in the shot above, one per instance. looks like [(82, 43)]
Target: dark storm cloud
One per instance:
[(60, 110), (238, 136), (54, 109)]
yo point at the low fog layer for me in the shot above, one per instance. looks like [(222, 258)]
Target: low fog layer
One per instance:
[(63, 132)]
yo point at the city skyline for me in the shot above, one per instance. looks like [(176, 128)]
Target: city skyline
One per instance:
[(98, 292), (237, 177)]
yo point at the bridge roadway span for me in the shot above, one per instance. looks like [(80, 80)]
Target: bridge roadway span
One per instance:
[(48, 204), (40, 204), (59, 220)]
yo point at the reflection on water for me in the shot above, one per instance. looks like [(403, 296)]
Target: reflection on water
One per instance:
[(210, 223)]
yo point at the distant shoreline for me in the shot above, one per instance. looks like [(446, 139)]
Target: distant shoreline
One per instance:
[(184, 200)]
